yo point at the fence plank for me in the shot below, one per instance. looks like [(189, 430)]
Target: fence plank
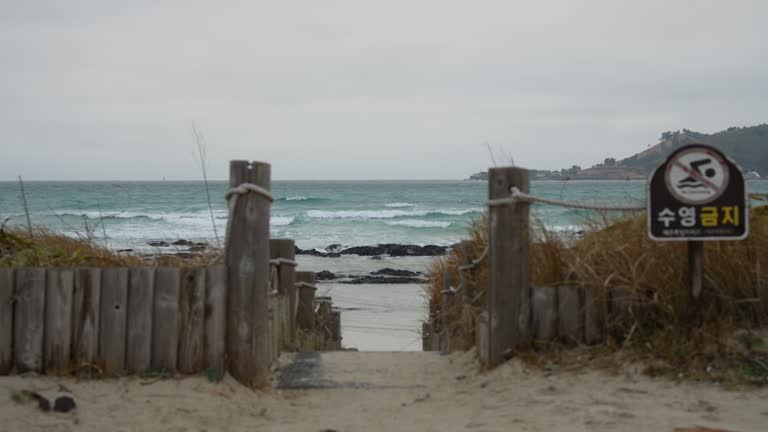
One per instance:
[(28, 319), (6, 320), (141, 294), (58, 321), (544, 313), (192, 321), (305, 313), (114, 315), (481, 336), (247, 260), (286, 275), (449, 297), (86, 313), (620, 314), (569, 311), (215, 317), (165, 318), (509, 288), (594, 316)]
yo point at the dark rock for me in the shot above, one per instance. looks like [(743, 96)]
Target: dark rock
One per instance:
[(325, 275), (123, 250), (183, 242), (365, 250), (394, 272), (158, 243), (376, 257), (382, 280), (197, 247), (64, 404), (333, 248), (396, 250)]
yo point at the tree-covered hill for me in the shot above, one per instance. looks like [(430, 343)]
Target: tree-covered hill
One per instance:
[(748, 146)]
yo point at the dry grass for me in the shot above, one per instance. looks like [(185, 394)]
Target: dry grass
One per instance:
[(660, 330), (50, 249)]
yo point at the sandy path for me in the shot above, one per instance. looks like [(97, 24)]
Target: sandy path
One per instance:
[(391, 391)]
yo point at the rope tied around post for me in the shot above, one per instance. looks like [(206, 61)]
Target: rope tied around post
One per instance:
[(282, 261), (518, 196), (475, 262), (232, 196), (306, 284)]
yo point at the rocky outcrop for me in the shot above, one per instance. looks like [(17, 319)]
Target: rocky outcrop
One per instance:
[(383, 276), (391, 249)]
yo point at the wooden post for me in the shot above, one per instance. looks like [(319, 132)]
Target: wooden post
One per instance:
[(87, 310), (114, 307), (467, 292), (165, 319), (247, 260), (28, 326), (286, 274), (426, 344), (305, 313), (58, 321), (695, 277), (336, 329), (215, 318), (192, 321), (544, 313), (595, 306), (448, 302), (141, 297), (569, 312), (6, 320), (509, 288)]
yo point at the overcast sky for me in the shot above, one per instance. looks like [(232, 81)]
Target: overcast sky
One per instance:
[(358, 89)]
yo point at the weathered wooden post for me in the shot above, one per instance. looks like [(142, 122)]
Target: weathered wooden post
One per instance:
[(58, 321), (28, 328), (509, 287), (448, 302), (467, 292), (305, 313), (283, 252), (6, 320), (247, 261)]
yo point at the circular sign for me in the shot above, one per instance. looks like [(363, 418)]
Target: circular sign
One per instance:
[(697, 176)]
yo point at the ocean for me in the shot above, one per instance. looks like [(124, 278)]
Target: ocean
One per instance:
[(315, 214)]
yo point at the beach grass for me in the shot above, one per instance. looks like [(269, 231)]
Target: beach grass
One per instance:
[(43, 247), (617, 254)]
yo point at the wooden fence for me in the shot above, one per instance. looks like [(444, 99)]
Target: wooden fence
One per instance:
[(515, 313), (235, 317)]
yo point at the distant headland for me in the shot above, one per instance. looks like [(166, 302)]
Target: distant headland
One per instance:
[(748, 146)]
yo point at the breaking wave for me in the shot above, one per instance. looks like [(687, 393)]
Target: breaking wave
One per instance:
[(385, 214), (417, 223)]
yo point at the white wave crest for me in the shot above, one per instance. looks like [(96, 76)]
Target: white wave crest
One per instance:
[(384, 214), (399, 205), (281, 220), (416, 223), (296, 198)]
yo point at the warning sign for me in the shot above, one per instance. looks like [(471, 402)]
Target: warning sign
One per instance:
[(697, 194)]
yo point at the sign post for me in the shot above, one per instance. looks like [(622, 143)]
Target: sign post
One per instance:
[(697, 194)]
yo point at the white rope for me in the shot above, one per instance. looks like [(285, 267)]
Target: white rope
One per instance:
[(283, 261), (476, 262), (233, 194), (518, 196), (306, 284)]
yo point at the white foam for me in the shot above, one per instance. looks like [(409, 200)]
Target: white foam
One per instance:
[(296, 198), (384, 214), (281, 220), (416, 223), (399, 205)]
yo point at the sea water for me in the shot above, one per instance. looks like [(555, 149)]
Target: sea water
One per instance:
[(316, 214)]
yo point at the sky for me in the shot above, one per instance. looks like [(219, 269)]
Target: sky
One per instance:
[(414, 89)]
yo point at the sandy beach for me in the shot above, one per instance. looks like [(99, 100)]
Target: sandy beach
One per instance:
[(392, 391)]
